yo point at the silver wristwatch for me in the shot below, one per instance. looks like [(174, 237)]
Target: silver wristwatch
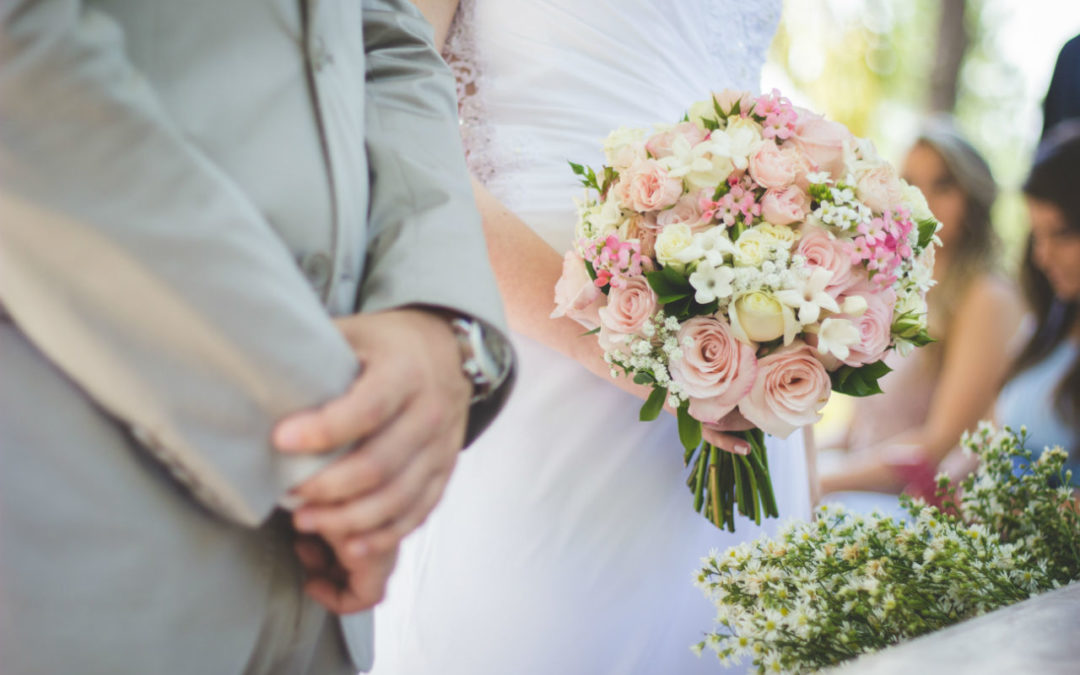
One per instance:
[(485, 359)]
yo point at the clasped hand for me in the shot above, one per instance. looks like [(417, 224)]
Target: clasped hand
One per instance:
[(405, 417)]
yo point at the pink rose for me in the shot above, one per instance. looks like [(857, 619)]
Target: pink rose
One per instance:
[(821, 249), (687, 211), (729, 97), (644, 229), (629, 307), (879, 187), (576, 296), (715, 371), (874, 325), (659, 145), (773, 167), (648, 187), (790, 389), (784, 207), (822, 141)]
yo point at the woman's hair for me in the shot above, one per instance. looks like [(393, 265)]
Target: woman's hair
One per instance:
[(1054, 178), (977, 247)]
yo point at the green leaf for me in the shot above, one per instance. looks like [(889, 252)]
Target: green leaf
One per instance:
[(862, 381), (594, 331), (927, 228), (689, 428), (653, 405), (592, 270), (711, 125), (644, 378), (669, 285)]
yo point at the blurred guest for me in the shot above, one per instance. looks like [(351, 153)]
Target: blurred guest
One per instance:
[(897, 440), (1043, 389), (1062, 100)]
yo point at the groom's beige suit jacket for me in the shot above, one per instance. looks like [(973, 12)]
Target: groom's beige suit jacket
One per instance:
[(189, 191)]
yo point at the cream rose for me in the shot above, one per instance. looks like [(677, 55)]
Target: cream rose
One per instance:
[(758, 316), (753, 248), (773, 167), (576, 296), (716, 370), (789, 391), (785, 206), (674, 246), (623, 147), (879, 187)]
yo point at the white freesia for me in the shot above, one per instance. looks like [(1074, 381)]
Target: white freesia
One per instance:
[(714, 246), (711, 283), (702, 166), (854, 306), (837, 336), (811, 298)]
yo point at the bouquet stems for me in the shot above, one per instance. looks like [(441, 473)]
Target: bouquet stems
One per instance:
[(722, 481)]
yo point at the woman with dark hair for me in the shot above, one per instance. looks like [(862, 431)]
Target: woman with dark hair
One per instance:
[(896, 441), (1043, 390)]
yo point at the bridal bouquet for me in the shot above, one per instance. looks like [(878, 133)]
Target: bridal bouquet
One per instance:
[(744, 263), (846, 584)]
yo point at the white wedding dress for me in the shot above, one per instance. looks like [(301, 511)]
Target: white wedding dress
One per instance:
[(566, 543)]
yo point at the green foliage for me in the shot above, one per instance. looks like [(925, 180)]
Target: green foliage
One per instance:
[(861, 381), (652, 407)]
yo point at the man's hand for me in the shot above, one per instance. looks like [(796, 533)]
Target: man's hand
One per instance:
[(406, 417), (344, 590)]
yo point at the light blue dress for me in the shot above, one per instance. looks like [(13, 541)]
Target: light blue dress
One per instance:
[(1028, 400)]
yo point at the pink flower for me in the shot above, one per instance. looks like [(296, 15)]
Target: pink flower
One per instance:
[(687, 211), (629, 307), (822, 250), (784, 207), (879, 187), (874, 325), (790, 389), (644, 229), (576, 296), (659, 145), (822, 141), (648, 187), (716, 370), (773, 167)]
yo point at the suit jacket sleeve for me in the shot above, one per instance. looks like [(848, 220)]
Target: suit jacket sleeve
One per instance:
[(426, 243), (143, 272)]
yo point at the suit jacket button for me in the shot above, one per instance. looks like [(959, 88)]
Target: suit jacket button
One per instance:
[(316, 267)]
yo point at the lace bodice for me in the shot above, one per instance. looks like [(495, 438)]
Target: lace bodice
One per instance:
[(544, 81)]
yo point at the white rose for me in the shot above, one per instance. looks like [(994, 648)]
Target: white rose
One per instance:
[(759, 317), (711, 164), (753, 248), (745, 137), (915, 200), (675, 246), (781, 235), (701, 111), (623, 147)]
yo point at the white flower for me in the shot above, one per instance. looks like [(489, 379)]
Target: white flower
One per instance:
[(854, 305), (837, 336), (711, 283), (811, 298), (744, 136), (702, 166), (623, 146)]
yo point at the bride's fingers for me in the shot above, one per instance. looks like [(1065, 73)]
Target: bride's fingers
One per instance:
[(389, 536), (726, 442)]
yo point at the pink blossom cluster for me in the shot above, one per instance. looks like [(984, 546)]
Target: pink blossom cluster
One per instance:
[(883, 244), (780, 116), (614, 261), (741, 201)]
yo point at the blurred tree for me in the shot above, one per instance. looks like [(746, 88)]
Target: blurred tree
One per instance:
[(951, 44)]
